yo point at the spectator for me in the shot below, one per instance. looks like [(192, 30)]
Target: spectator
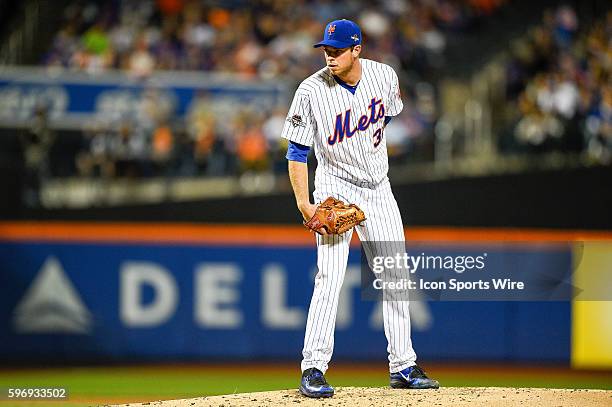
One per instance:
[(599, 129), (141, 62), (163, 144), (201, 127), (566, 25), (95, 158), (277, 146), (37, 143), (561, 86), (251, 148)]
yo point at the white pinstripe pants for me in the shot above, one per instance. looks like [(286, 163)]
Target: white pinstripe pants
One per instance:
[(383, 224)]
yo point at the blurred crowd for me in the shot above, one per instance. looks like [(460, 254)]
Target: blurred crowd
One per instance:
[(202, 144), (559, 83), (262, 40)]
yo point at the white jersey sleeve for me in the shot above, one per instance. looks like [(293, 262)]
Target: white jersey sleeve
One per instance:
[(395, 104), (300, 125)]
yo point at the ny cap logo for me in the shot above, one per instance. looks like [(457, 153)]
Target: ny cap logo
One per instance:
[(331, 29)]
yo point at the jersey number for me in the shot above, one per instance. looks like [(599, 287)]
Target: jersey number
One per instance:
[(377, 137)]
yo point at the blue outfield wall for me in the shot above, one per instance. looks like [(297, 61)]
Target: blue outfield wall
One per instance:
[(199, 302)]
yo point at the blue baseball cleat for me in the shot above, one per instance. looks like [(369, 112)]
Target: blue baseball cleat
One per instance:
[(314, 384), (412, 377)]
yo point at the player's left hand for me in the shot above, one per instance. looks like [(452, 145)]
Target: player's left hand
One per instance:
[(334, 217)]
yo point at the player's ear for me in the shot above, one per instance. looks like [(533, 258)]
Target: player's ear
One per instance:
[(356, 50)]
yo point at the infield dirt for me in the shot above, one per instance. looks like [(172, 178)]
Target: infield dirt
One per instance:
[(378, 396)]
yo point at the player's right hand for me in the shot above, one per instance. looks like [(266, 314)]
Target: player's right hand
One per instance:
[(308, 210)]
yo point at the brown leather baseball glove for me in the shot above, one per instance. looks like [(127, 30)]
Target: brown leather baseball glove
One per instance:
[(335, 217)]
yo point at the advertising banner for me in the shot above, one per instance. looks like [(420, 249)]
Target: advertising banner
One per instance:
[(221, 300), (72, 98)]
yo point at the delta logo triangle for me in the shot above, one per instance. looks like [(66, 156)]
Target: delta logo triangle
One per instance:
[(51, 305)]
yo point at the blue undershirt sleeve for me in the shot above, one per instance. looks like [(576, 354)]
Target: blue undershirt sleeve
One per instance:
[(297, 152), (388, 119)]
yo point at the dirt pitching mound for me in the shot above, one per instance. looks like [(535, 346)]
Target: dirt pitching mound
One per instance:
[(366, 396)]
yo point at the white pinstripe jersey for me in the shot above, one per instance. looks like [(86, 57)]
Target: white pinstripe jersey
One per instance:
[(346, 130)]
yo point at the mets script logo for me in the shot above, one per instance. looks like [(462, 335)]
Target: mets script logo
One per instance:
[(331, 29), (296, 120), (343, 124)]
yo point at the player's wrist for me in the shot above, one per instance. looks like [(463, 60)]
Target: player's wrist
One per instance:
[(303, 204), (306, 209)]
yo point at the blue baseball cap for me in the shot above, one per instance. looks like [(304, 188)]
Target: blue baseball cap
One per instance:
[(341, 34)]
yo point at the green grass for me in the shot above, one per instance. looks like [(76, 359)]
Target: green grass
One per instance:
[(116, 384), (122, 383)]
